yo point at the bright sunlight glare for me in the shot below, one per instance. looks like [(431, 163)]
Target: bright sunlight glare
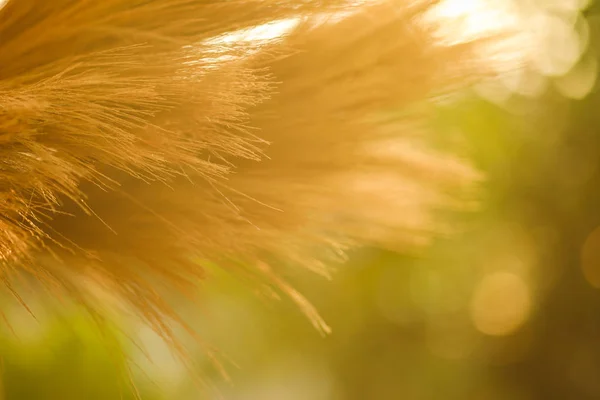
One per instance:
[(465, 20)]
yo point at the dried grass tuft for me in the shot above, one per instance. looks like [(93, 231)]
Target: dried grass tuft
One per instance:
[(133, 144)]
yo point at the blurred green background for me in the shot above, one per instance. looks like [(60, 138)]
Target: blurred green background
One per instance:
[(506, 309)]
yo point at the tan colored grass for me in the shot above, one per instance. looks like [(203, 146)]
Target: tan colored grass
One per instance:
[(128, 153)]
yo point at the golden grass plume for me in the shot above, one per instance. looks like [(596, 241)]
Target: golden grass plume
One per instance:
[(138, 139)]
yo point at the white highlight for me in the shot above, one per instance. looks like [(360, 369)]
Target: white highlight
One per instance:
[(260, 33)]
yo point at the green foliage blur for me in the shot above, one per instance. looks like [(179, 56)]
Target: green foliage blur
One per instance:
[(507, 308)]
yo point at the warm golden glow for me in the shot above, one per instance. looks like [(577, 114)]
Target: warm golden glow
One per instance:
[(501, 304), (590, 258), (477, 17)]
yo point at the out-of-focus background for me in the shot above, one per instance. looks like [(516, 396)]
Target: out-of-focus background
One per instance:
[(507, 308)]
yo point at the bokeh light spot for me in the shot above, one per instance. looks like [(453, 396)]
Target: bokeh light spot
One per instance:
[(501, 304), (590, 258)]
